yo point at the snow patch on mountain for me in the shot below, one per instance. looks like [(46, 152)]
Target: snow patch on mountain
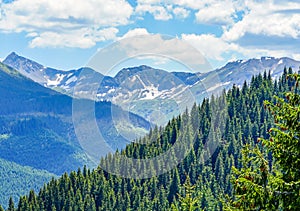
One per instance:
[(150, 92), (218, 85), (111, 90), (70, 80), (57, 81)]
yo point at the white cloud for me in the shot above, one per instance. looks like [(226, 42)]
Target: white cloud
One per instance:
[(156, 60), (215, 48), (192, 4), (83, 38), (149, 41), (59, 23), (168, 48), (135, 32), (212, 47), (209, 45), (180, 12), (296, 56), (267, 19), (159, 12), (158, 48), (163, 9), (259, 52), (267, 28), (218, 12), (208, 12), (246, 24), (149, 1)]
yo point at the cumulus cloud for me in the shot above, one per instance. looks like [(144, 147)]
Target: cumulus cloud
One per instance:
[(157, 47), (268, 27), (64, 23), (83, 38), (216, 48), (61, 23), (257, 52), (168, 9), (268, 19), (135, 32), (192, 4), (208, 12), (159, 12), (217, 12), (209, 45), (181, 12)]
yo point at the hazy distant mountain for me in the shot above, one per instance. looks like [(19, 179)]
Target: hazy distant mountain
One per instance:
[(239, 71), (154, 94), (139, 89), (48, 77), (36, 127)]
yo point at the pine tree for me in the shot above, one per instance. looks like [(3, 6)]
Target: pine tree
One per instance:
[(259, 187), (11, 204), (190, 200), (174, 187)]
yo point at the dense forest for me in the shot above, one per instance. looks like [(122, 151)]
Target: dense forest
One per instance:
[(215, 134), (17, 180)]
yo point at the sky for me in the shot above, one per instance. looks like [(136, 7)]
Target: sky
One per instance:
[(67, 34)]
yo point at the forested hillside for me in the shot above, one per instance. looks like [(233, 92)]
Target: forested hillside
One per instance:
[(36, 127), (17, 180), (36, 130), (215, 135)]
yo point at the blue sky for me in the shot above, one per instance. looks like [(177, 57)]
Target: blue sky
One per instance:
[(66, 34)]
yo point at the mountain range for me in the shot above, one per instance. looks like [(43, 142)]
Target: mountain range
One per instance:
[(154, 94), (37, 135)]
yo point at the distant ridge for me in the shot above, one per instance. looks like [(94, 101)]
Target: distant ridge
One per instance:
[(143, 89)]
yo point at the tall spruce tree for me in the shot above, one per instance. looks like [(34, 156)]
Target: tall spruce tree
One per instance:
[(264, 184)]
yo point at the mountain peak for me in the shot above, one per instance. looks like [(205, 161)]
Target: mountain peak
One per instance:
[(267, 58), (256, 61), (18, 62), (12, 56), (130, 71), (136, 69)]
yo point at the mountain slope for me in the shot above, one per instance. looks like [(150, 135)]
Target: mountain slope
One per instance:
[(239, 71), (17, 180), (57, 79), (132, 88), (36, 123)]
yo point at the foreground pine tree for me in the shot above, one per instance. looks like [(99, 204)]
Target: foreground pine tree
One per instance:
[(262, 184), (190, 200)]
